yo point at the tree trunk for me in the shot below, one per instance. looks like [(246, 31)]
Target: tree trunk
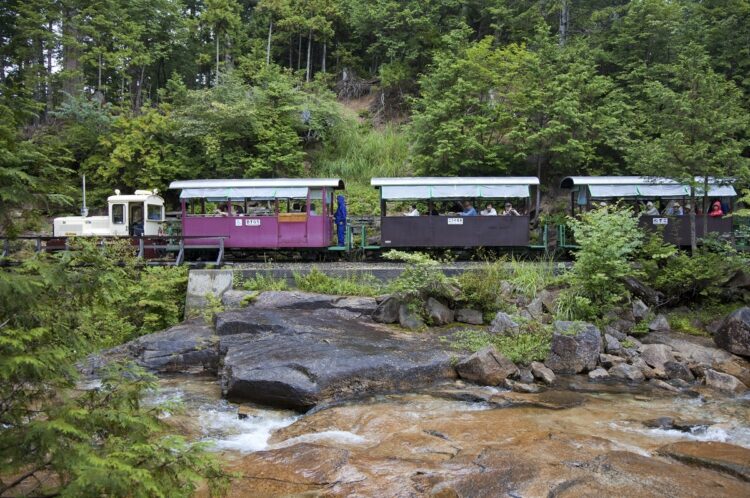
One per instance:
[(309, 50), (50, 95), (323, 64), (299, 52), (217, 59), (564, 13), (138, 91), (71, 78), (538, 188), (268, 43), (705, 205), (99, 80), (693, 240), (291, 50)]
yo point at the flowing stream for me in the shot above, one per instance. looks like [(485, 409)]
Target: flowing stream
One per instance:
[(381, 441)]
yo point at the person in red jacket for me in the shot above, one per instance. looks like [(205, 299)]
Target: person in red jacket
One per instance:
[(715, 210)]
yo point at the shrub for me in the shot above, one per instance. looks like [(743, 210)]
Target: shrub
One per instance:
[(531, 277), (608, 239), (571, 306), (531, 344), (421, 278), (264, 282), (481, 287), (350, 285)]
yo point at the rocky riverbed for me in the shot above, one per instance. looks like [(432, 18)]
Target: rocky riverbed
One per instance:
[(307, 393)]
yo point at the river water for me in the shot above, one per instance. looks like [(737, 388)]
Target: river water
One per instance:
[(425, 444)]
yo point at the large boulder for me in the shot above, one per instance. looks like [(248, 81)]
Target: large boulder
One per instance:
[(300, 358), (190, 347), (723, 457), (656, 355), (542, 373), (438, 313), (640, 310), (387, 310), (487, 366), (676, 370), (408, 318), (629, 373), (470, 316), (659, 324), (575, 347), (734, 333), (311, 301), (503, 324), (724, 382)]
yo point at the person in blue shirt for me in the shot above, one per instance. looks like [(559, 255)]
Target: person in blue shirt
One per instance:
[(468, 210), (340, 219)]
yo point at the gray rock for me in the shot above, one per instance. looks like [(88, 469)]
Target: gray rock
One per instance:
[(506, 288), (734, 333), (233, 299), (575, 347), (310, 301), (536, 308), (598, 374), (189, 347), (692, 349), (676, 370), (636, 343), (549, 300), (525, 375), (646, 370), (679, 383), (487, 367), (387, 310), (656, 355), (736, 367), (611, 331), (622, 325), (470, 316), (611, 344), (659, 324), (438, 313), (724, 382), (503, 324), (627, 372), (542, 373), (608, 360), (409, 319), (521, 387), (640, 310), (300, 358), (663, 385)]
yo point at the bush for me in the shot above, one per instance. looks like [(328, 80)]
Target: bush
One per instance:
[(422, 278), (264, 282), (531, 344), (608, 239), (530, 278), (350, 285), (481, 287)]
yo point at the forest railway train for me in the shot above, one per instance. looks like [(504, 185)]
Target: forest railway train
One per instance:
[(307, 216)]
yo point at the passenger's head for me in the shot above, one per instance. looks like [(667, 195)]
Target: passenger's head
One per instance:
[(467, 204), (312, 206), (649, 204), (489, 205), (414, 206), (508, 206), (716, 206)]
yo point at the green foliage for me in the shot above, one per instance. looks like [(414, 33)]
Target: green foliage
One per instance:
[(421, 278), (159, 296), (531, 277), (264, 282), (571, 306), (481, 288), (349, 285), (684, 324), (523, 348), (608, 240), (212, 308), (104, 441)]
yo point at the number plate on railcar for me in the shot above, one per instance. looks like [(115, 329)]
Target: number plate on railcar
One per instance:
[(661, 221), (455, 221), (252, 223)]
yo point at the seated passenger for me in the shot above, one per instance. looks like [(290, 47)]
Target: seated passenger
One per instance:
[(687, 209), (716, 211), (651, 209), (674, 209), (489, 210), (312, 209), (509, 210), (413, 211), (468, 210), (296, 208)]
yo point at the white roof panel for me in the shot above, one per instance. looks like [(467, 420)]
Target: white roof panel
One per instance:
[(245, 193), (431, 181), (335, 183), (645, 186)]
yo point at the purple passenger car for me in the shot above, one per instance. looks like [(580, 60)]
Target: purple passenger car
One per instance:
[(258, 214)]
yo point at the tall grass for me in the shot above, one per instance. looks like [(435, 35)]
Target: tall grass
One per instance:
[(360, 152)]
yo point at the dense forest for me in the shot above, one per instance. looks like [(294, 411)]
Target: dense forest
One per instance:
[(137, 93)]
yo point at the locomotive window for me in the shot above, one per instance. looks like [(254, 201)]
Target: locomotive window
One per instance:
[(154, 212), (118, 214)]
